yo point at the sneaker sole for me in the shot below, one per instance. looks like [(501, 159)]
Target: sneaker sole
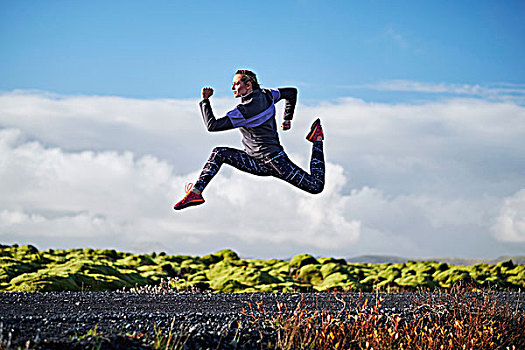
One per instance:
[(189, 204)]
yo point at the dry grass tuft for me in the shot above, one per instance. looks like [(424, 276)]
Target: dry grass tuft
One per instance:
[(461, 318)]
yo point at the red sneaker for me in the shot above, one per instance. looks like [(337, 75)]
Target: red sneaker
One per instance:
[(190, 199), (315, 131)]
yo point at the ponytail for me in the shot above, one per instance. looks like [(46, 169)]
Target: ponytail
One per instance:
[(249, 76)]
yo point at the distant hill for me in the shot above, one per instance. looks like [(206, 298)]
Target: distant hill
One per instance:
[(387, 259), (378, 259)]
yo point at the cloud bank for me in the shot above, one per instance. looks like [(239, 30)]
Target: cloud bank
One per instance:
[(421, 179), (492, 92)]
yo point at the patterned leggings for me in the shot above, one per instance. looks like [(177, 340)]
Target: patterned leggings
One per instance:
[(279, 166)]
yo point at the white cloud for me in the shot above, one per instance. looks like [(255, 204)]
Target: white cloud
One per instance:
[(53, 193), (253, 208), (510, 92), (170, 129), (510, 225), (419, 179), (398, 38)]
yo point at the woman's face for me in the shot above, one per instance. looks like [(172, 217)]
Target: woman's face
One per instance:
[(240, 88)]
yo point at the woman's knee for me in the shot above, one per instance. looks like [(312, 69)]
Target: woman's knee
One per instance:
[(313, 188), (317, 189), (219, 150)]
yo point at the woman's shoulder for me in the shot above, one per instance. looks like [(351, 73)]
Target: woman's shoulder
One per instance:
[(258, 101)]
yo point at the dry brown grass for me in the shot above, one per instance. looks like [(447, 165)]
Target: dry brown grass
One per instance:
[(460, 318)]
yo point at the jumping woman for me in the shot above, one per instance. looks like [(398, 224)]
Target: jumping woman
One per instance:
[(263, 155)]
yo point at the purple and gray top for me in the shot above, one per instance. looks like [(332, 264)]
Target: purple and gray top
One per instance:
[(255, 118)]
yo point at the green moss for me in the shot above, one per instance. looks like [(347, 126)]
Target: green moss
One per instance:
[(26, 268), (330, 268), (311, 274), (390, 274), (224, 271), (273, 262), (10, 268), (280, 269), (425, 268), (111, 254), (328, 260), (505, 265), (336, 281), (225, 254), (136, 260), (415, 281), (228, 285), (44, 284), (301, 260), (447, 278), (194, 263), (518, 281), (27, 250), (197, 277)]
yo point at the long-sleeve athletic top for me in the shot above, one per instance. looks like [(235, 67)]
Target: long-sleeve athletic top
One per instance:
[(255, 118)]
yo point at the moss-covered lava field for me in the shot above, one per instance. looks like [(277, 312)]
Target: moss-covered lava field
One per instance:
[(25, 268)]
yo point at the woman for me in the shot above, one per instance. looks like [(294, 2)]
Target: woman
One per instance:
[(263, 154)]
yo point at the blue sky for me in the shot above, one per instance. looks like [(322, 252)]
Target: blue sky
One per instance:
[(169, 49), (422, 102)]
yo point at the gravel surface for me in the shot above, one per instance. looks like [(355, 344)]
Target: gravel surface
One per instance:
[(112, 320)]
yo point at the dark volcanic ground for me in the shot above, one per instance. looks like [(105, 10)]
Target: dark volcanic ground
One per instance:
[(223, 320)]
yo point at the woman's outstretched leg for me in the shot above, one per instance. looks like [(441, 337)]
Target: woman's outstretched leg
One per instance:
[(231, 156), (286, 170), (220, 155)]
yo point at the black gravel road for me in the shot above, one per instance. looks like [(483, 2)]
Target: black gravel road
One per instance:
[(114, 320)]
